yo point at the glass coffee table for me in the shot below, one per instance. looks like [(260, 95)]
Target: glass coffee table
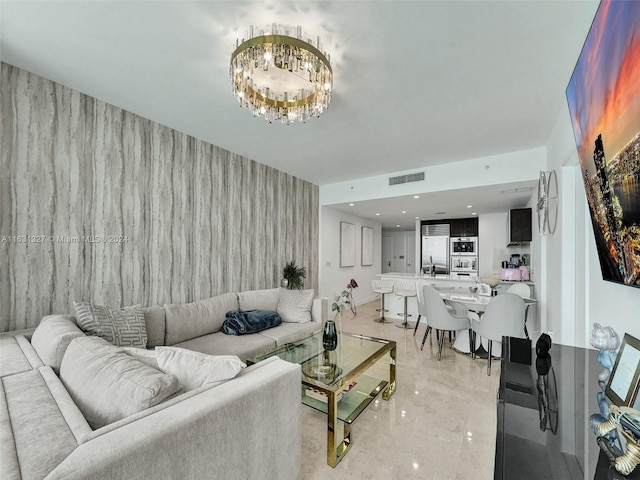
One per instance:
[(342, 382)]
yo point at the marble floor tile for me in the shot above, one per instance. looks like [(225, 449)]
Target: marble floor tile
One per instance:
[(439, 425)]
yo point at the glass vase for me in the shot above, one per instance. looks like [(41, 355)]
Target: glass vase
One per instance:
[(330, 336)]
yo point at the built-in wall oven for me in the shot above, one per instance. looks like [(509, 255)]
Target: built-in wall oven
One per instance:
[(464, 264), (464, 256), (464, 246)]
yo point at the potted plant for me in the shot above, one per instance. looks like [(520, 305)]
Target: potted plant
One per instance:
[(293, 275)]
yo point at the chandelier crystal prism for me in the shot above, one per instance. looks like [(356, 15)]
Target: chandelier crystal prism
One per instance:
[(279, 75)]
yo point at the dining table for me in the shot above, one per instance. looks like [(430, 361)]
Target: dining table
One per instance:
[(476, 303)]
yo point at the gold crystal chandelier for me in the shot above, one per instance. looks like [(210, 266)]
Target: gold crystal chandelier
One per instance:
[(279, 75)]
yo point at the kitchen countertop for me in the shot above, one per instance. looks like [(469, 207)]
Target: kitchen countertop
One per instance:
[(448, 278)]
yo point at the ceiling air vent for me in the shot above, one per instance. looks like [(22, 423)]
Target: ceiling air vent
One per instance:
[(409, 178)]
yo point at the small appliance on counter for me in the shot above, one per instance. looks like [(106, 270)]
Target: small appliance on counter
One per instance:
[(511, 274), (515, 270)]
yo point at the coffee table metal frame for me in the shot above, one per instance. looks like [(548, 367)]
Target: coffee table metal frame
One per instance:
[(342, 408)]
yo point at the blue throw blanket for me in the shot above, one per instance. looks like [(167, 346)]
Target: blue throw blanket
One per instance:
[(251, 321)]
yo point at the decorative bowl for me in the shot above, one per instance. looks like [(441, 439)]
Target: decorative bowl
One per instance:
[(491, 281)]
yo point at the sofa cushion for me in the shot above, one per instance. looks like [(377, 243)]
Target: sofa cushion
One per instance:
[(195, 369), (291, 332), (251, 321), (17, 356), (148, 357), (258, 300), (52, 337), (244, 346), (154, 318), (190, 320), (42, 439), (107, 384), (295, 305), (9, 466), (118, 326)]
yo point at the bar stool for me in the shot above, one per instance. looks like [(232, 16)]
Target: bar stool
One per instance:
[(405, 290), (383, 287)]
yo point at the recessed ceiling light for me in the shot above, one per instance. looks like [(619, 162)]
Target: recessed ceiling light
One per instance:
[(377, 214), (417, 218), (416, 196), (469, 206), (398, 226), (473, 213), (351, 204), (404, 211)]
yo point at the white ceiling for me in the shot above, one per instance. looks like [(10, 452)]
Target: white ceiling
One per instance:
[(416, 83), (447, 204)]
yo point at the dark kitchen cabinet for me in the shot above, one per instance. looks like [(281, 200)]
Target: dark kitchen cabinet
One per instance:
[(464, 227), (520, 226)]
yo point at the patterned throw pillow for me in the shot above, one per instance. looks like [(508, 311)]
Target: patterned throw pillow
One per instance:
[(294, 306), (118, 326)]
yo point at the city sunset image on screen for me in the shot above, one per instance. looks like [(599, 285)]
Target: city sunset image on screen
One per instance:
[(604, 103)]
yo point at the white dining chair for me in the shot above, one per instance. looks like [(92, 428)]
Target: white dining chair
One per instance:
[(382, 287), (522, 290), (422, 312), (504, 316), (441, 319), (422, 309)]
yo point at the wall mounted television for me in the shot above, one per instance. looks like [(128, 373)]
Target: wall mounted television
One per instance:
[(604, 103)]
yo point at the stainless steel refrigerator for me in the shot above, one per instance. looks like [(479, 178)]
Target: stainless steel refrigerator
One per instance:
[(435, 249)]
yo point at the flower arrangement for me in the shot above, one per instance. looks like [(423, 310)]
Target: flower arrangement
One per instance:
[(345, 299), (340, 303)]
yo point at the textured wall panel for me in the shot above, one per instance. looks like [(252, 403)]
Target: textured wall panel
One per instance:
[(198, 220)]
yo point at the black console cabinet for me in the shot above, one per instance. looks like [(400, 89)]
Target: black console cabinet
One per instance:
[(520, 230), (523, 450)]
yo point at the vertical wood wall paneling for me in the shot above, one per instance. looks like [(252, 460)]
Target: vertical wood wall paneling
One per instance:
[(198, 220)]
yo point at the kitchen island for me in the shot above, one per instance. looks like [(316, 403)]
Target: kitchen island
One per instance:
[(395, 304)]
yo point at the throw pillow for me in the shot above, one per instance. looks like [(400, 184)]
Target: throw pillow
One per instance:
[(258, 300), (294, 306), (195, 369), (107, 384), (118, 326), (253, 321)]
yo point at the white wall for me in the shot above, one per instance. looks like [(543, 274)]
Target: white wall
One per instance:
[(511, 167), (492, 240), (575, 295), (333, 278)]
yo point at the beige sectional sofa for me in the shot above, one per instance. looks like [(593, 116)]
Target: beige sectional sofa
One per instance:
[(246, 427)]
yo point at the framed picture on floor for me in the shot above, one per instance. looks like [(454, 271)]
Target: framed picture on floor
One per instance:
[(367, 246), (347, 244), (622, 388)]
